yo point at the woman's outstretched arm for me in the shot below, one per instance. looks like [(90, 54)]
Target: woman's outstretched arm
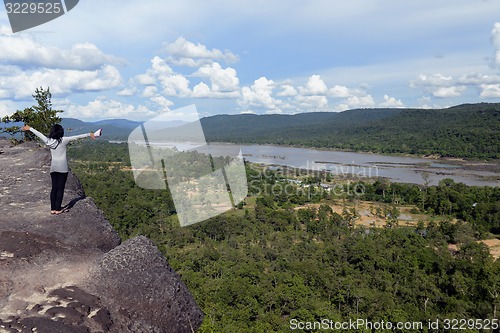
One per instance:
[(34, 131), (81, 136), (46, 140)]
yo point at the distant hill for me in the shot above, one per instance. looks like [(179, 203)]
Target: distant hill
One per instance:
[(114, 129), (469, 130), (283, 129)]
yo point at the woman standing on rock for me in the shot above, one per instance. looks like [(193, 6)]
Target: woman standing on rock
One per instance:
[(57, 143)]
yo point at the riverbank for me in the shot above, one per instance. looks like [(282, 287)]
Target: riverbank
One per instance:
[(397, 168)]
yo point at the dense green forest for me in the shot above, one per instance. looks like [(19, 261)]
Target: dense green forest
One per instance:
[(469, 130), (274, 259)]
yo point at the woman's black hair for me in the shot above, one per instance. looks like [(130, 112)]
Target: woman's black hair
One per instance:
[(56, 132)]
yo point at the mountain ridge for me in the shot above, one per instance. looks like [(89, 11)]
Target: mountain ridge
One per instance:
[(465, 130), (468, 130)]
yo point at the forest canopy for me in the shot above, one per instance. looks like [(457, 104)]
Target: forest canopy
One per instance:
[(278, 258)]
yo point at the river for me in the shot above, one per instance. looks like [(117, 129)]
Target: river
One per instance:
[(358, 165), (395, 168)]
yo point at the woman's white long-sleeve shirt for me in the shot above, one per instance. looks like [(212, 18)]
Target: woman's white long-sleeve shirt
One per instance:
[(58, 150)]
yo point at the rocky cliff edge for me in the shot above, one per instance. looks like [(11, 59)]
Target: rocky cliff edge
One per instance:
[(69, 272)]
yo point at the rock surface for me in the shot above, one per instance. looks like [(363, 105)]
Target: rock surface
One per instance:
[(69, 272)]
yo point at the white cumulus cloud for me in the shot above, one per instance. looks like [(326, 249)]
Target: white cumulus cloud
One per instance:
[(312, 103), (161, 102), (128, 92), (160, 68), (339, 91), (442, 86), (432, 80), (105, 78), (490, 91), (444, 92), (175, 85), (21, 84), (103, 108), (390, 102), (287, 90), (185, 53), (21, 50), (260, 95), (201, 90), (7, 107), (315, 86), (145, 79), (160, 74), (149, 91), (221, 79), (354, 102)]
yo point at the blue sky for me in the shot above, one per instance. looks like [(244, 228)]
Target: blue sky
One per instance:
[(139, 59)]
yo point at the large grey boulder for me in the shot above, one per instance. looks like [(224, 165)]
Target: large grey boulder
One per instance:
[(138, 280)]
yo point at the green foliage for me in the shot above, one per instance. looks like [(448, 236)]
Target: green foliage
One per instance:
[(254, 270), (40, 116), (12, 131)]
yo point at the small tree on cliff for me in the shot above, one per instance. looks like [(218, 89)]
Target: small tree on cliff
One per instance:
[(40, 116)]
